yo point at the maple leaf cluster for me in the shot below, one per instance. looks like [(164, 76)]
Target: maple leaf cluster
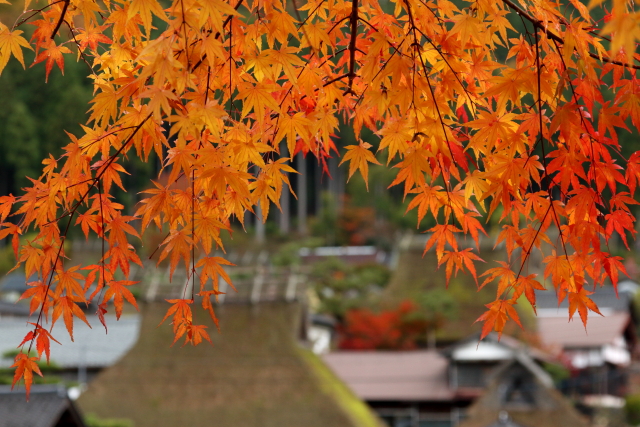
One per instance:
[(477, 118)]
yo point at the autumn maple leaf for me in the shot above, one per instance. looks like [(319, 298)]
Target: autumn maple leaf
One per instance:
[(52, 53), (469, 109), (496, 317), (119, 292), (67, 308), (10, 43), (25, 367), (359, 158), (581, 302), (42, 339)]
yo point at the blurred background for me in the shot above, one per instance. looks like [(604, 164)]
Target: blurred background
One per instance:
[(337, 319)]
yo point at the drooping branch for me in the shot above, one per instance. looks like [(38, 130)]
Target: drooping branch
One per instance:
[(352, 44)]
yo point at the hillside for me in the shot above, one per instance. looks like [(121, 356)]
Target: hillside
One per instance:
[(415, 274)]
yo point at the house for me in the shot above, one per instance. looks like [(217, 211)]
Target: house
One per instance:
[(78, 360), (599, 354), (319, 332), (48, 406), (9, 309), (403, 387), (472, 361), (521, 394), (13, 285), (427, 387)]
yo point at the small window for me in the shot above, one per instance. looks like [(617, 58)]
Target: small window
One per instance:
[(435, 423), (470, 375), (397, 420), (520, 391)]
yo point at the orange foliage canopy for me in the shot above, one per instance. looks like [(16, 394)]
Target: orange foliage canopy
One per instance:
[(473, 116)]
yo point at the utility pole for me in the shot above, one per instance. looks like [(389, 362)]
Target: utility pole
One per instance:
[(301, 164)]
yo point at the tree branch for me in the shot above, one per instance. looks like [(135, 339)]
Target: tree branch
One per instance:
[(352, 43), (61, 20)]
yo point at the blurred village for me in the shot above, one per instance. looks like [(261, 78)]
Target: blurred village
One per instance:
[(337, 317)]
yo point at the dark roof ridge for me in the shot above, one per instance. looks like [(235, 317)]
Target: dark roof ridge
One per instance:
[(58, 388)]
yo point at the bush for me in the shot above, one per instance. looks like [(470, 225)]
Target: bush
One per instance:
[(398, 329), (341, 287), (632, 409), (91, 420)]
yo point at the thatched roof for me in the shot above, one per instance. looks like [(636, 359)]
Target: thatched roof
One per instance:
[(417, 273), (543, 406), (48, 406), (256, 374)]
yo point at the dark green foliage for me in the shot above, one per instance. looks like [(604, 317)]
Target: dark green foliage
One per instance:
[(632, 409), (436, 306), (36, 115), (341, 287), (557, 372)]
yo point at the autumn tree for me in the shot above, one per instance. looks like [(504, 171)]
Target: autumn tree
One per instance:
[(477, 119)]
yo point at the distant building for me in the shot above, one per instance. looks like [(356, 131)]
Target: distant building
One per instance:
[(9, 309), (255, 374), (48, 406), (403, 387), (521, 394), (13, 285), (599, 354), (430, 388), (319, 333), (348, 254), (78, 360)]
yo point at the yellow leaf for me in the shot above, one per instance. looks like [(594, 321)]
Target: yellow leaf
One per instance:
[(360, 157), (145, 8), (291, 127), (10, 42), (258, 98)]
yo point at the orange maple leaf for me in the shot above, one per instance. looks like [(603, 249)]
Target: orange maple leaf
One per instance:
[(42, 338), (25, 367), (581, 302), (67, 308), (119, 292), (496, 317)]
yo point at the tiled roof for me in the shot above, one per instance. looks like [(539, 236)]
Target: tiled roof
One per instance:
[(45, 407), (14, 282), (513, 345), (604, 297), (600, 330), (11, 309), (92, 347), (397, 375)]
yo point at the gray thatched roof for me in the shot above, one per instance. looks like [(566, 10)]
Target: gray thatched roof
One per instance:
[(48, 406)]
